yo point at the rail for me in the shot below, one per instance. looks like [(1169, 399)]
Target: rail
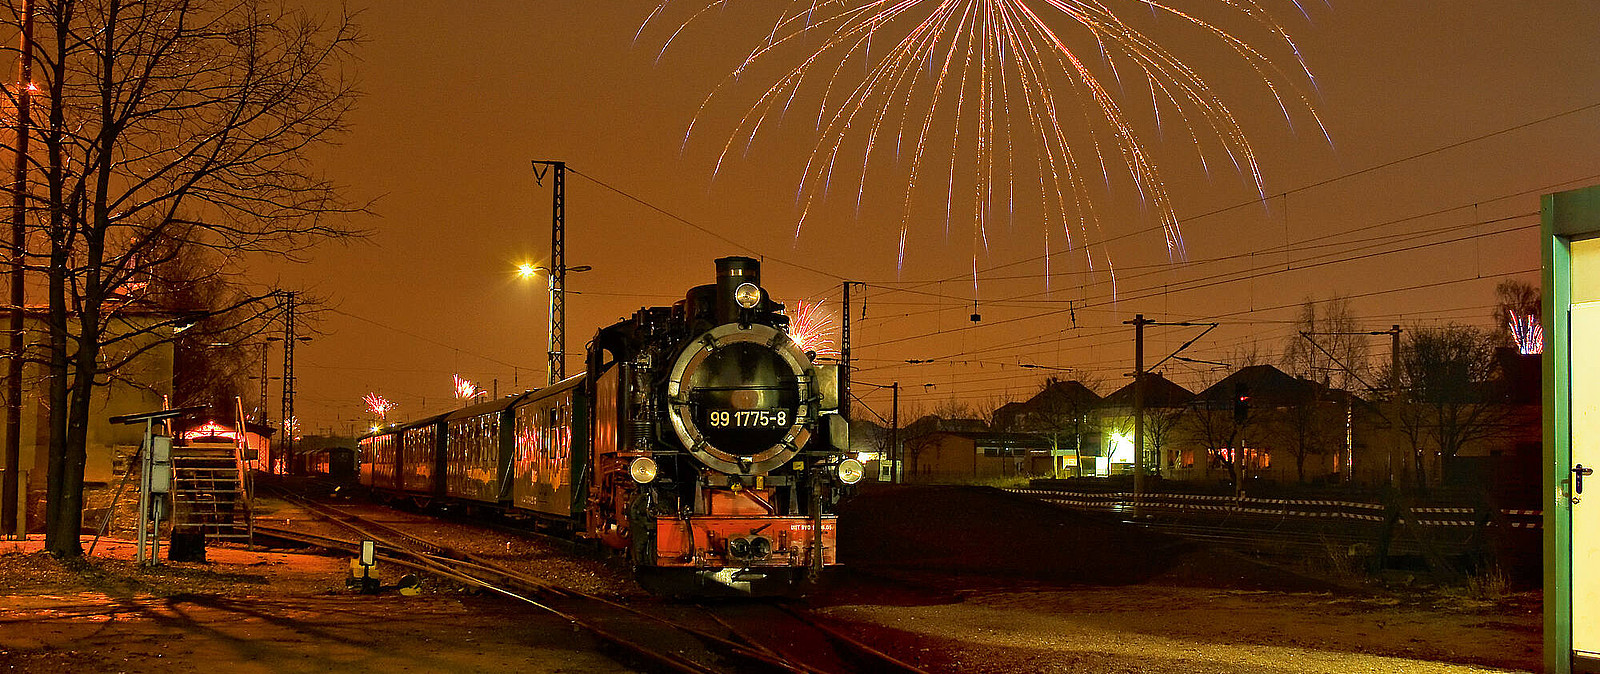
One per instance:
[(622, 625)]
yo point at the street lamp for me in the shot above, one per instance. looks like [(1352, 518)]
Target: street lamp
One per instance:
[(557, 338)]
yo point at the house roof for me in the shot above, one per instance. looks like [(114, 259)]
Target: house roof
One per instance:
[(997, 438), (1158, 392), (1056, 398), (934, 423), (1267, 386), (1063, 393)]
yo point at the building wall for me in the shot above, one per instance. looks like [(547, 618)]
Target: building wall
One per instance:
[(956, 458), (141, 387)]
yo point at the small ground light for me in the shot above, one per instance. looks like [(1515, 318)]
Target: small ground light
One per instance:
[(364, 568)]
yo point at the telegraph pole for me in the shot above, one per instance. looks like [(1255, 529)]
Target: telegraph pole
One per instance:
[(19, 212), (558, 264)]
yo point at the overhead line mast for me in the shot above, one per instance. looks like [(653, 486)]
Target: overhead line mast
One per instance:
[(558, 264)]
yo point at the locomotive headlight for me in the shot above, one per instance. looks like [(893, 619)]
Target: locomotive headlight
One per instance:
[(747, 295), (642, 470), (850, 471)]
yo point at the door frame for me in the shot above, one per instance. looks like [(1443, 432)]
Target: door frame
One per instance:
[(1566, 217)]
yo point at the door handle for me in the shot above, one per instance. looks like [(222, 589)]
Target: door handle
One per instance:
[(1581, 473)]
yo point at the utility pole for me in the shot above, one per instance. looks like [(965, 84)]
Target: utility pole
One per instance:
[(1394, 384), (286, 445), (1394, 359), (895, 471), (844, 356), (261, 413), (19, 212), (1138, 324), (558, 264), (1394, 387)]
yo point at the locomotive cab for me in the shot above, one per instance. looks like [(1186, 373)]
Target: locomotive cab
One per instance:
[(719, 450)]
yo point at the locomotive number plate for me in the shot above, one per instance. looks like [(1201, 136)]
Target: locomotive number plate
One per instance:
[(767, 418)]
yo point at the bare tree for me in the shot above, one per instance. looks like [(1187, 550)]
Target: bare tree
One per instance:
[(1215, 426), (1447, 400), (188, 120), (1325, 349), (1160, 427), (1062, 411), (1307, 425)]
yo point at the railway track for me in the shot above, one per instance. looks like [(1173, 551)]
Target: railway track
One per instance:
[(698, 638)]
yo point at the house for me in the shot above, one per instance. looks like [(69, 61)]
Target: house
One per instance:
[(1164, 405), (1264, 424), (1063, 412), (973, 456)]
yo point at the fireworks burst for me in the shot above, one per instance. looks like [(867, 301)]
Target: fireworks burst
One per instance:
[(1010, 90), (812, 328), (378, 405), (466, 391), (1528, 333)]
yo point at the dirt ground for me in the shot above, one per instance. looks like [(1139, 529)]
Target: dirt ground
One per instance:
[(261, 612), (987, 603)]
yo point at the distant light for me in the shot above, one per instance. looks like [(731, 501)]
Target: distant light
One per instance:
[(210, 429), (1121, 447)]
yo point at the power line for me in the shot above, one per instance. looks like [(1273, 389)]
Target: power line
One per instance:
[(1208, 282), (434, 342), (703, 229), (1304, 188)]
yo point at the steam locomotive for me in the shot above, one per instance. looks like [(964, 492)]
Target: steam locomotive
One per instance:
[(701, 442)]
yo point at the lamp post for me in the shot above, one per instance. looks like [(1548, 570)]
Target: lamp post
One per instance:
[(557, 339)]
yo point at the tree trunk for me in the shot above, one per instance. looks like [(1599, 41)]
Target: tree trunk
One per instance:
[(61, 534)]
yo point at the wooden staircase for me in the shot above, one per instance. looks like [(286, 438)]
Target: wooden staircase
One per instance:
[(210, 496)]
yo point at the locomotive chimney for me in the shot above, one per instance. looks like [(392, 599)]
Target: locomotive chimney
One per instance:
[(733, 272)]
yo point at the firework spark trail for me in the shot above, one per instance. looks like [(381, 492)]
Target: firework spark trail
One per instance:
[(1527, 332), (812, 328), (378, 405), (466, 390), (988, 63)]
